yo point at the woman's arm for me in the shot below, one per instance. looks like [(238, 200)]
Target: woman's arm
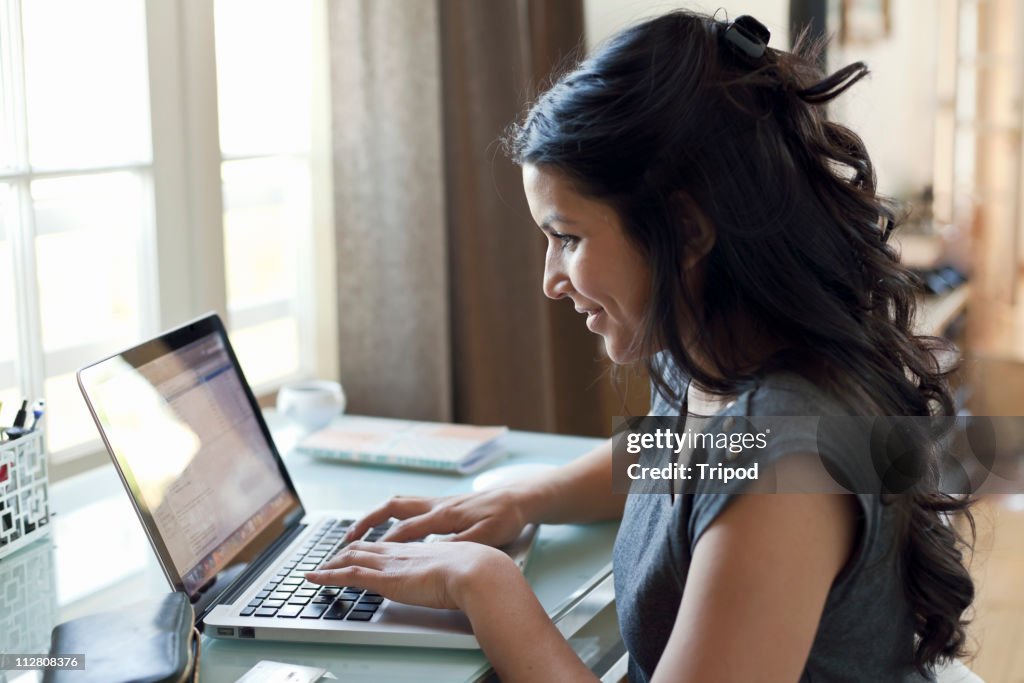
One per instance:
[(756, 589), (514, 632), (519, 639), (578, 492)]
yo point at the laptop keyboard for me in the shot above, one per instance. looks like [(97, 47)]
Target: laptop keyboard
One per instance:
[(289, 596)]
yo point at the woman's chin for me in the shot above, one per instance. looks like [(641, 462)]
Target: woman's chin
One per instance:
[(620, 354)]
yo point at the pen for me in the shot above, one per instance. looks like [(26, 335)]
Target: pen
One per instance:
[(19, 419), (38, 408)]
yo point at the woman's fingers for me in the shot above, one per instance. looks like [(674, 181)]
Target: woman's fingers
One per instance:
[(429, 574), (363, 556), (437, 521), (359, 560), (481, 532), (400, 507), (353, 575)]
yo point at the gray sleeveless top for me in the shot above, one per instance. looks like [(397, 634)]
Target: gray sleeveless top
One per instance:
[(866, 631)]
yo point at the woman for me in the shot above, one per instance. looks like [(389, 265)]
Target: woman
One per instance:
[(711, 223)]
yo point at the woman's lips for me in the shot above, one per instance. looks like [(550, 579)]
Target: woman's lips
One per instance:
[(594, 316)]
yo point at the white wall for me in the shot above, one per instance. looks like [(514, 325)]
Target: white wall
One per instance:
[(892, 110), (604, 17)]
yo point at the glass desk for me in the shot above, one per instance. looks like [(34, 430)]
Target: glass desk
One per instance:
[(97, 558)]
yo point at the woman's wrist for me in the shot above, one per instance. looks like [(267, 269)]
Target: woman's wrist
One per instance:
[(534, 498), (501, 607), (492, 576)]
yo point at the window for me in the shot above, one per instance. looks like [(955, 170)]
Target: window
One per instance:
[(121, 215), (264, 76)]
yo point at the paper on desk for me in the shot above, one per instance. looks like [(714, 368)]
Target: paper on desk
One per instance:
[(267, 671)]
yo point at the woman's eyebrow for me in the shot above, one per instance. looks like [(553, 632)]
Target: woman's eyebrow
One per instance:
[(545, 225)]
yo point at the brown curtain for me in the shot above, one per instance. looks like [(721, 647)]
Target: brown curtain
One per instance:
[(441, 313), (518, 358)]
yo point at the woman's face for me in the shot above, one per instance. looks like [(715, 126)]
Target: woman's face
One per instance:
[(589, 260)]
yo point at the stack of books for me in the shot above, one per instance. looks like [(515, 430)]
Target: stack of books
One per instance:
[(386, 442)]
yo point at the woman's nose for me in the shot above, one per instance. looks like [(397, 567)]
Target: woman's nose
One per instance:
[(556, 282)]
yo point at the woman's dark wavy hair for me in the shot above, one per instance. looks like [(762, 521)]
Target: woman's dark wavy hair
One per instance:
[(670, 126)]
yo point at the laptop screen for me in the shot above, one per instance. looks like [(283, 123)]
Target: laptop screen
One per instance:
[(193, 451)]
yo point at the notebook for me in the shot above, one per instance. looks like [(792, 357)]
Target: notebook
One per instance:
[(407, 443), (227, 525)]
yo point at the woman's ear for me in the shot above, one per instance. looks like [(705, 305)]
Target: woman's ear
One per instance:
[(700, 233)]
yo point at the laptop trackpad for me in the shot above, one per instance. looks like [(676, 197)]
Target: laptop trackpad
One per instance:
[(400, 614)]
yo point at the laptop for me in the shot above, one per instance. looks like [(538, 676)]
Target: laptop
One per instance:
[(214, 497)]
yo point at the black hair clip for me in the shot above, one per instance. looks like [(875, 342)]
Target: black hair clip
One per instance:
[(749, 36)]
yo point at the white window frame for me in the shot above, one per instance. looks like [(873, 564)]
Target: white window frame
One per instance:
[(185, 233)]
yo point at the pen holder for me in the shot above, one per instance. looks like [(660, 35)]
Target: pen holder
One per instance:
[(24, 498), (28, 601)]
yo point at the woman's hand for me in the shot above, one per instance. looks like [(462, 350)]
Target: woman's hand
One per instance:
[(494, 517), (428, 574)]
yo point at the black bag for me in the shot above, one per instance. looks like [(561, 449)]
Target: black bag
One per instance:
[(152, 642)]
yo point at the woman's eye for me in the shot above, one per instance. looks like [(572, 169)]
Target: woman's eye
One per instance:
[(566, 240)]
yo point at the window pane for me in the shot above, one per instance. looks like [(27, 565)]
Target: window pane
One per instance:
[(266, 212), (7, 139), (11, 399), (268, 351), (87, 246), (86, 82), (9, 393), (67, 422), (8, 333), (264, 59)]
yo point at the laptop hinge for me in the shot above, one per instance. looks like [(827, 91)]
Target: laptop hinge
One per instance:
[(294, 516)]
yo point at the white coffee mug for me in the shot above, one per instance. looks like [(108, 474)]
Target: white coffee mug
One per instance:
[(312, 404)]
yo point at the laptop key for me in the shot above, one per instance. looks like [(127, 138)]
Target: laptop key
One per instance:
[(355, 615), (338, 610), (298, 601), (289, 611), (361, 606), (306, 567), (313, 611), (269, 602), (262, 594), (292, 582), (305, 593), (371, 600), (329, 591), (247, 611), (266, 611), (255, 603)]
